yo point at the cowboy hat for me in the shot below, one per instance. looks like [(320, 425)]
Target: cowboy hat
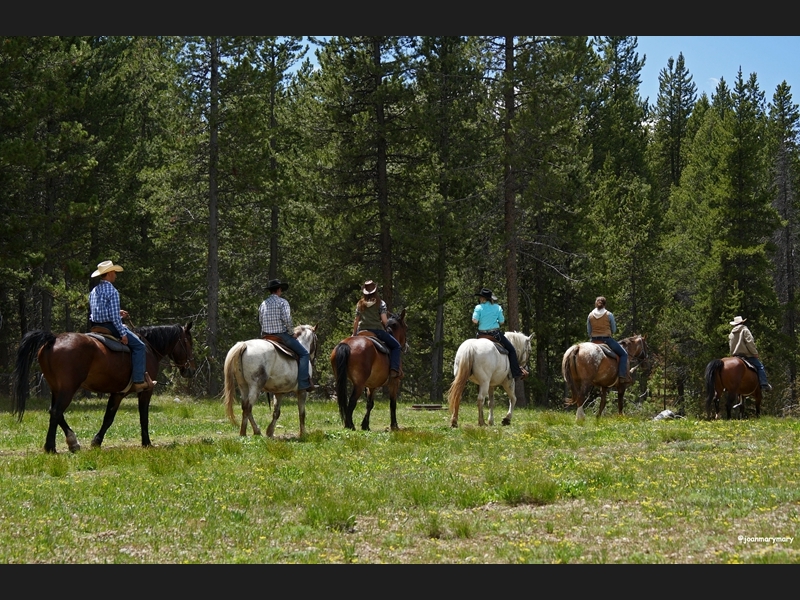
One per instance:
[(738, 320), (274, 284), (369, 287), (105, 267), (487, 293)]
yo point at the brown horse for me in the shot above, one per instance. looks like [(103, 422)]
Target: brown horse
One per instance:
[(70, 361), (589, 364), (736, 377), (357, 359)]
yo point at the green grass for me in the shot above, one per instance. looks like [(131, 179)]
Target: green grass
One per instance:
[(542, 490)]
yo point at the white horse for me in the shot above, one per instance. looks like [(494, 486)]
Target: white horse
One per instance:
[(260, 365), (480, 361)]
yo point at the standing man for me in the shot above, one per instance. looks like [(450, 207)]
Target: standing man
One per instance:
[(105, 311), (275, 317), (743, 345)]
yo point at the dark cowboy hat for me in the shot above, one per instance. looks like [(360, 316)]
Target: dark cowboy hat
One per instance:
[(274, 284), (487, 293)]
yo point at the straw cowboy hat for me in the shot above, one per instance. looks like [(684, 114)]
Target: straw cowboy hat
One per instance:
[(369, 287), (738, 320), (105, 267), (274, 284)]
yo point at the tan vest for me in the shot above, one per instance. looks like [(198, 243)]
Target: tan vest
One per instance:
[(601, 326)]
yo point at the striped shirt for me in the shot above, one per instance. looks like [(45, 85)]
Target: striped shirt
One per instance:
[(275, 316), (104, 306)]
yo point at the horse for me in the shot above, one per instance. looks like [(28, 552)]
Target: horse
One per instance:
[(358, 359), (589, 364), (70, 361), (736, 377), (481, 361), (260, 365)]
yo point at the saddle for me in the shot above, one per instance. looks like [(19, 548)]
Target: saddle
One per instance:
[(607, 351), (279, 345), (493, 339), (109, 340), (379, 345), (747, 363)]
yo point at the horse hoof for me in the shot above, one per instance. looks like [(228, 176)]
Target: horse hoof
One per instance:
[(506, 421)]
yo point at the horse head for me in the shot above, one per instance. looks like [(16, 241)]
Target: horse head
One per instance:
[(307, 336), (399, 328), (636, 347), (182, 352)]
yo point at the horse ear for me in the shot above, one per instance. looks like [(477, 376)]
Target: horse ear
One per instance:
[(403, 315), (188, 326), (314, 328)]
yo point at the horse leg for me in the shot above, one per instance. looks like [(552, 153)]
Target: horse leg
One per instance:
[(58, 404), (276, 413), (583, 395), (108, 418), (512, 401), (394, 390), (351, 407), (144, 417), (603, 392), (301, 408), (370, 404), (620, 398), (483, 393), (730, 397)]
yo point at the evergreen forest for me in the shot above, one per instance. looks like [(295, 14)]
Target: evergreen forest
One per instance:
[(436, 166)]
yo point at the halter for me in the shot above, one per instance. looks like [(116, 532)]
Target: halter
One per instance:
[(186, 364)]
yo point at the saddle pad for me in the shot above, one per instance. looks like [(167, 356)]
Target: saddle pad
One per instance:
[(110, 342), (747, 363), (278, 343), (379, 345), (606, 350)]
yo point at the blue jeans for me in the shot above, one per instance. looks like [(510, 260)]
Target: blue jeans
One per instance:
[(619, 351), (137, 351), (393, 345), (762, 374), (302, 369)]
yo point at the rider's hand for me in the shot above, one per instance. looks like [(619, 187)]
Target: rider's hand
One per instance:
[(124, 339), (123, 314)]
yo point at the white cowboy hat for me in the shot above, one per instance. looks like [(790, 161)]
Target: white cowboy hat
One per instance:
[(738, 320), (369, 287), (105, 267)]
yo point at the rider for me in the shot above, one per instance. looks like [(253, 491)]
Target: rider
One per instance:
[(372, 315), (600, 325), (104, 311), (743, 345), (488, 316), (275, 317)]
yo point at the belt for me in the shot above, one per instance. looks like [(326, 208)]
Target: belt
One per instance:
[(488, 330), (268, 333)]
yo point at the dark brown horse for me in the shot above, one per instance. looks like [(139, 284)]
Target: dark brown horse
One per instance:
[(70, 361), (356, 359), (736, 377), (589, 364)]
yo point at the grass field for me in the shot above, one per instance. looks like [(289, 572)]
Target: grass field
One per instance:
[(543, 490)]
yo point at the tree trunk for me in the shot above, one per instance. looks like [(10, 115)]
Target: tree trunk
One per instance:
[(213, 215)]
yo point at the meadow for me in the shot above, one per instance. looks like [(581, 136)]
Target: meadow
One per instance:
[(542, 490)]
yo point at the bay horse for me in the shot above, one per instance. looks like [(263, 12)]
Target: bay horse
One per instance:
[(589, 364), (70, 361), (735, 376), (260, 365), (481, 361), (358, 360)]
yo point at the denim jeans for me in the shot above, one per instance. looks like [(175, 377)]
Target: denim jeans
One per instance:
[(619, 351), (137, 351), (393, 345), (302, 369), (762, 374)]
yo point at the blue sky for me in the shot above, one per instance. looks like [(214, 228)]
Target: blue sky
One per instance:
[(772, 58)]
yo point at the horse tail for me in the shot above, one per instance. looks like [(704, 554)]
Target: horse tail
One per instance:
[(712, 369), (465, 362), (28, 350), (342, 356), (232, 373), (568, 366)]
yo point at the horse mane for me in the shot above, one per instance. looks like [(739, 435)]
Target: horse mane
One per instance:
[(159, 336)]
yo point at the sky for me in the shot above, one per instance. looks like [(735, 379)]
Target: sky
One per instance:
[(708, 58)]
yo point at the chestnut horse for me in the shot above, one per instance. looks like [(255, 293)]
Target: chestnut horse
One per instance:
[(71, 361), (589, 364), (736, 377), (357, 359)]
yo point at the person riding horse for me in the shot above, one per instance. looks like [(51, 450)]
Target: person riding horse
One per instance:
[(275, 317), (372, 316), (105, 313), (488, 316), (743, 345), (600, 325)]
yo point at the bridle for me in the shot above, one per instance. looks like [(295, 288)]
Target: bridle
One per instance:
[(181, 339)]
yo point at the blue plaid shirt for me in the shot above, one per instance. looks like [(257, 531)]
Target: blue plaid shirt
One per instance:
[(104, 306), (275, 316)]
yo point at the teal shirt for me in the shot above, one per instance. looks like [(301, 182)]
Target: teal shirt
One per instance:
[(489, 316)]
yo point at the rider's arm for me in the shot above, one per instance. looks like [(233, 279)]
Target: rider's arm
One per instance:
[(356, 321)]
